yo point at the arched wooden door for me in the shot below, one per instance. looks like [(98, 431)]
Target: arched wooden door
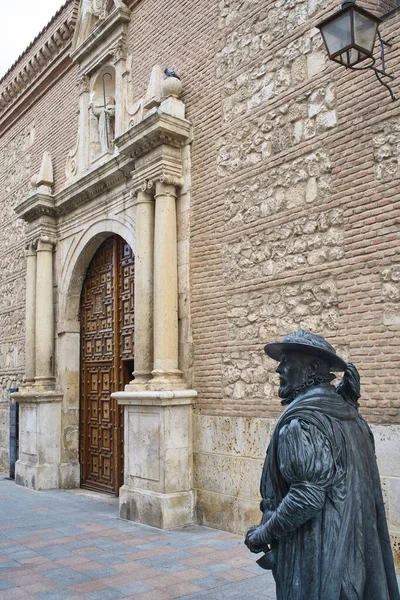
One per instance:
[(107, 353)]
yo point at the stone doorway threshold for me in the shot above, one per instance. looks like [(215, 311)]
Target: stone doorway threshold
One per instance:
[(98, 496)]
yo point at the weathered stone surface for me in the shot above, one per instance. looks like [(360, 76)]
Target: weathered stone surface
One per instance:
[(272, 313), (309, 241), (394, 503), (387, 442), (390, 289), (227, 475), (386, 146), (298, 120), (17, 147), (290, 66), (266, 24), (228, 457), (248, 376), (305, 180), (232, 436)]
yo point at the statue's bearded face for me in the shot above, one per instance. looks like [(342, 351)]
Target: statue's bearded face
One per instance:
[(293, 371)]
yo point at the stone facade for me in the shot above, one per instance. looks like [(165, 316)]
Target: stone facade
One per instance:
[(287, 216)]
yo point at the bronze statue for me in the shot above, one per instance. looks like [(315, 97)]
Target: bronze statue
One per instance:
[(323, 526)]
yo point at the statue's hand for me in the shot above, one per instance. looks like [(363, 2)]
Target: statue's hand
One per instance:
[(256, 539)]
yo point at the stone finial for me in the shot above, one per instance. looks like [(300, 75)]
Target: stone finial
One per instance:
[(43, 181), (172, 87), (154, 92), (171, 105)]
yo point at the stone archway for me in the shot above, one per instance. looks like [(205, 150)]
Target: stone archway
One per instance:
[(106, 362), (72, 274)]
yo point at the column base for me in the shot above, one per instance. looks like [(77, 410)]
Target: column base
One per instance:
[(45, 383), (167, 380), (38, 466), (165, 511), (36, 477)]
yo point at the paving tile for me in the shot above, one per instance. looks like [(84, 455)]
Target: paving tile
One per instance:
[(199, 560), (65, 576), (107, 558), (15, 594), (236, 575), (201, 550), (87, 565), (106, 594), (135, 587), (55, 552), (101, 572), (6, 584), (57, 594), (166, 565), (153, 595), (163, 580), (183, 589), (189, 574), (215, 567), (209, 582), (43, 586), (87, 586)]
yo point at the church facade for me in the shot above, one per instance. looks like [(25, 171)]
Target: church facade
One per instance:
[(156, 232)]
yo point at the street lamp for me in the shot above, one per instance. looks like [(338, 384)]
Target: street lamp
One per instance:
[(349, 36)]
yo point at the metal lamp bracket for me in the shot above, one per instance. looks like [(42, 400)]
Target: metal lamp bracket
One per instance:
[(379, 73)]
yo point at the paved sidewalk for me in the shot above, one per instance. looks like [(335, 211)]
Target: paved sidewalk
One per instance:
[(56, 545)]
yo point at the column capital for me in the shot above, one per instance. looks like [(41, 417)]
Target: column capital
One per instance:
[(143, 192), (83, 84), (165, 187), (45, 244), (30, 248)]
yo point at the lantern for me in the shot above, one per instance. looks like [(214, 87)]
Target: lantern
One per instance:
[(349, 34)]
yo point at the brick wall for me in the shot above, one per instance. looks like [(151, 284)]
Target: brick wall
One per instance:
[(42, 123)]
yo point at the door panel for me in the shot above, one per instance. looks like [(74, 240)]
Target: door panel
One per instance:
[(107, 333)]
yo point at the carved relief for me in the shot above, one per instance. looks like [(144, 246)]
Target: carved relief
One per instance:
[(102, 108), (91, 14)]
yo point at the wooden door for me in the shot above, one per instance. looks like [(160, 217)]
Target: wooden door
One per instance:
[(107, 353)]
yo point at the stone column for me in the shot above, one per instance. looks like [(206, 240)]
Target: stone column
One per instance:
[(83, 151), (44, 333), (30, 311), (165, 372), (144, 261)]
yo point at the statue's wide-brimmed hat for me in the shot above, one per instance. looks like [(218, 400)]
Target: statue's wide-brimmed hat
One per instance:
[(308, 343)]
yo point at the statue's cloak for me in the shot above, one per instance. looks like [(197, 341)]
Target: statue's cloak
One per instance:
[(321, 481)]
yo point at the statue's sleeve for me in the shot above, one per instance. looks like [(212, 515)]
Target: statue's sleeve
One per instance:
[(306, 464)]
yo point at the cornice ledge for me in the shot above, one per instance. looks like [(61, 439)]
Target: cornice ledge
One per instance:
[(12, 89), (36, 205), (118, 16), (93, 183), (155, 129)]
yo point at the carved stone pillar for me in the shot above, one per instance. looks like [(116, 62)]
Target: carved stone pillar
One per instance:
[(44, 331), (30, 311), (144, 261), (83, 149), (165, 370)]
